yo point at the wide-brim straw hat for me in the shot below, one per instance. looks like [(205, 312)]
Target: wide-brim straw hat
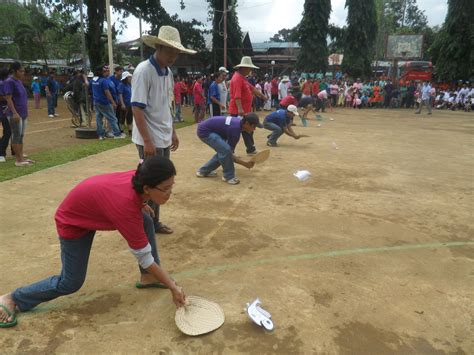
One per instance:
[(285, 78), (246, 62), (168, 36), (199, 316)]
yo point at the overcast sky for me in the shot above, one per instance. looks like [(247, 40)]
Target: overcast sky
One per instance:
[(263, 18)]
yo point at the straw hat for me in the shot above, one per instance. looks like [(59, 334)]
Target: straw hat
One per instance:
[(199, 316), (169, 37), (285, 78), (246, 62)]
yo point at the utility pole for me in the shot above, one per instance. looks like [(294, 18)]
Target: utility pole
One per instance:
[(225, 33), (109, 36), (140, 29), (84, 58)]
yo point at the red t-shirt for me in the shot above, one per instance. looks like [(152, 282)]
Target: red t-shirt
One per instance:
[(315, 88), (103, 203), (274, 87), (288, 100), (177, 92), (241, 89), (198, 93), (307, 88)]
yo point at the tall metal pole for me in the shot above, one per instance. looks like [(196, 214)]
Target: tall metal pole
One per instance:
[(84, 58), (140, 29), (109, 36), (225, 33)]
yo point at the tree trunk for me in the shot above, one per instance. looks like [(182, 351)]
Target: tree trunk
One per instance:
[(95, 28)]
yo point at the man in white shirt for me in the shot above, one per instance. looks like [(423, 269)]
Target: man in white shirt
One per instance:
[(223, 89), (425, 98), (152, 95), (283, 88)]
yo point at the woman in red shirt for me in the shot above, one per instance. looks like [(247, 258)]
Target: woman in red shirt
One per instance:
[(104, 202)]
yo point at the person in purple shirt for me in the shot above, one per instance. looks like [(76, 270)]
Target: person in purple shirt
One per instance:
[(7, 132), (17, 113), (222, 134)]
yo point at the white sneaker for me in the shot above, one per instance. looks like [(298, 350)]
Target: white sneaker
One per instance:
[(122, 136), (109, 135), (233, 181), (101, 138), (211, 174), (2, 159), (51, 116), (56, 115)]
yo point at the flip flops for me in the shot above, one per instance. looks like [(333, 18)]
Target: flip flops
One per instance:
[(152, 285), (162, 229), (10, 314)]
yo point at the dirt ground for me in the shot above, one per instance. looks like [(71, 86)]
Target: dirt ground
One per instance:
[(374, 254)]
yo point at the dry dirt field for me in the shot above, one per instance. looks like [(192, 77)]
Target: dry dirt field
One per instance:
[(374, 254)]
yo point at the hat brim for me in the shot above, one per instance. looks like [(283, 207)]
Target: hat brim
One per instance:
[(152, 41), (246, 66)]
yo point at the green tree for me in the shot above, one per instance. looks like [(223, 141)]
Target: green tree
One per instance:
[(337, 37), (361, 34), (313, 28), (31, 37), (234, 33), (453, 47), (286, 35), (11, 15)]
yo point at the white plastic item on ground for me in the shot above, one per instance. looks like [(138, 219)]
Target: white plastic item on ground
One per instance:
[(302, 175), (332, 119), (258, 315), (334, 145), (319, 124)]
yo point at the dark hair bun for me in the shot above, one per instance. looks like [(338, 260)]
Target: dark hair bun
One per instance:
[(152, 172)]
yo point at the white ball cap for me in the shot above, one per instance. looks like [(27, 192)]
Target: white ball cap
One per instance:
[(293, 109)]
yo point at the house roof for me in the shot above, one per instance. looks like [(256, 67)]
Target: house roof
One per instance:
[(265, 46)]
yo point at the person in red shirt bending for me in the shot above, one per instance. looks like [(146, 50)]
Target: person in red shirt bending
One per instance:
[(307, 88), (241, 95), (104, 202)]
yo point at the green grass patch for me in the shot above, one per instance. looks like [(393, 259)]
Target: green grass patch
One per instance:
[(58, 156)]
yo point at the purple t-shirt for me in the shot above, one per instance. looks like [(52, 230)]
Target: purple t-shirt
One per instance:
[(15, 88), (228, 128)]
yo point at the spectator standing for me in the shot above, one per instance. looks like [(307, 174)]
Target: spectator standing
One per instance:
[(274, 83), (425, 98), (283, 88), (125, 96), (51, 89), (104, 103), (36, 89), (152, 83), (115, 81), (79, 94), (7, 132), (267, 88), (17, 113), (178, 97), (410, 99), (241, 93), (223, 89), (388, 88), (199, 100), (214, 99)]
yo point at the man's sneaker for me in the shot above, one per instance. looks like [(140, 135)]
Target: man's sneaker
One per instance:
[(272, 144), (211, 174), (109, 135), (101, 138), (51, 116), (122, 136), (233, 181), (252, 153), (2, 159), (56, 115)]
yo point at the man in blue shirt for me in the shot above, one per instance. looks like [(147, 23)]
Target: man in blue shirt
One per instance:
[(214, 97), (104, 103), (279, 122), (115, 81), (222, 134), (52, 88)]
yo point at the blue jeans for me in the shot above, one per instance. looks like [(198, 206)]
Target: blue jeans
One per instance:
[(162, 152), (74, 258), (7, 133), (177, 115), (223, 157), (108, 112), (51, 104), (277, 131)]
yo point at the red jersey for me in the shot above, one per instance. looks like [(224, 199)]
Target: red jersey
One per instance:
[(198, 93), (177, 92), (315, 87), (241, 89), (103, 203), (307, 85), (274, 87)]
